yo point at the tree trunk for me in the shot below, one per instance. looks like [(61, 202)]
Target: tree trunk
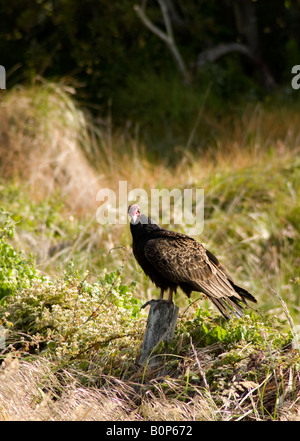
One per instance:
[(246, 23), (160, 327)]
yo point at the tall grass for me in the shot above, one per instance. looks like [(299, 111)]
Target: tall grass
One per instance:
[(250, 174), (44, 141), (53, 160)]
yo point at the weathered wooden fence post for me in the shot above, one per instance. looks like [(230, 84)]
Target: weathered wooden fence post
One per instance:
[(2, 77), (160, 327)]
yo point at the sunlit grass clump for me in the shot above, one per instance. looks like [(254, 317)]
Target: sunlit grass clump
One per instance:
[(44, 142)]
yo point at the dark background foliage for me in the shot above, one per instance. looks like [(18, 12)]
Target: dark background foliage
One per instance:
[(120, 68)]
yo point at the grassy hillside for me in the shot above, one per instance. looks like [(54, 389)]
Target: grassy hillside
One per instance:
[(71, 291)]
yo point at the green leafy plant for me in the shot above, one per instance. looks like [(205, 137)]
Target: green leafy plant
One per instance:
[(16, 271), (70, 318)]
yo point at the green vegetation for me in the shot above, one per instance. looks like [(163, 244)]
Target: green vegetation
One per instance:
[(119, 68), (70, 290), (70, 333), (95, 97), (16, 272)]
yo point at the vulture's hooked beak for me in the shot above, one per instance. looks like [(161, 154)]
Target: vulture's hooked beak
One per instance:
[(134, 218), (134, 212)]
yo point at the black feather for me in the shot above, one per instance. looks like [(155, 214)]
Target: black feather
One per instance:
[(173, 260)]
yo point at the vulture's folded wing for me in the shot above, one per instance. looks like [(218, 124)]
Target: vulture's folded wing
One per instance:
[(186, 261)]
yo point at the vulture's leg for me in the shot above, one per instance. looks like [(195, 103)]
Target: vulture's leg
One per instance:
[(170, 298), (159, 300)]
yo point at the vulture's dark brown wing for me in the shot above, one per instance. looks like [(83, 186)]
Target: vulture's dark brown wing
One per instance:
[(185, 261)]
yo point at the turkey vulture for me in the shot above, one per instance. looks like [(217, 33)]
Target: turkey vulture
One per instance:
[(173, 259)]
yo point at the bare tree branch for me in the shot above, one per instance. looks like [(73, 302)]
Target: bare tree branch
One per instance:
[(216, 52), (167, 21), (167, 36), (173, 13), (141, 13)]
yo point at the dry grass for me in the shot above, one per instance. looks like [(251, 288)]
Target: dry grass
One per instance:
[(49, 143), (251, 181), (31, 391), (38, 391), (43, 137)]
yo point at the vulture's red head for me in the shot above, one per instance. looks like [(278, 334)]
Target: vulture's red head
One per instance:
[(134, 212)]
